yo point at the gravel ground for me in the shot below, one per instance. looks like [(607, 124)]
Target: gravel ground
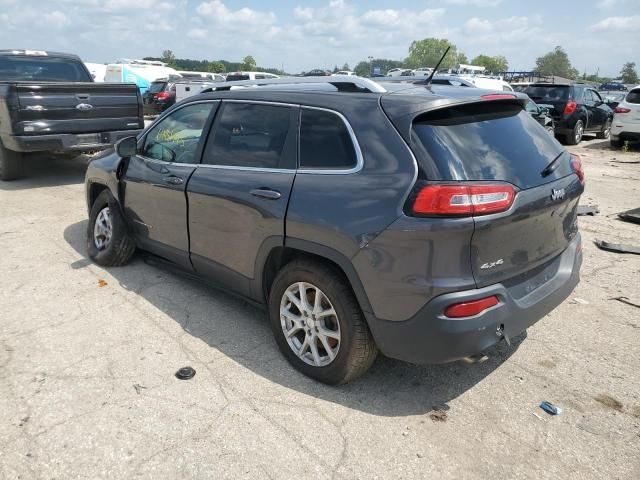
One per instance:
[(88, 356)]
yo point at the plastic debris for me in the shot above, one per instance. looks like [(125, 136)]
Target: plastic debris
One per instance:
[(138, 388), (632, 216), (625, 300), (617, 247), (185, 373), (581, 301), (550, 408), (102, 283)]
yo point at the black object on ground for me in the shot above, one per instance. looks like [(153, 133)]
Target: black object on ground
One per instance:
[(630, 215), (588, 209), (550, 408), (617, 247), (626, 300), (185, 373)]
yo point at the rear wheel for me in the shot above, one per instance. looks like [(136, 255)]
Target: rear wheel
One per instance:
[(575, 136), (606, 130), (10, 164), (109, 242), (616, 142), (318, 324)]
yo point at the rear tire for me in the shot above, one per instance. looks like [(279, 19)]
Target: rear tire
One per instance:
[(606, 130), (575, 136), (109, 243), (11, 165), (353, 348), (616, 143)]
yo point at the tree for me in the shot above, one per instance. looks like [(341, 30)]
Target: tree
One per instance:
[(427, 52), (248, 63), (462, 58), (346, 67), (335, 69), (169, 58), (492, 64), (215, 67), (556, 63), (629, 73)]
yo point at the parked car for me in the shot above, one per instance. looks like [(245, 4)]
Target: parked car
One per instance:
[(626, 119), (50, 104), (425, 226), (238, 76), (316, 73), (613, 86), (577, 109), (343, 72), (201, 76), (400, 72), (422, 71), (160, 95), (541, 115), (612, 99)]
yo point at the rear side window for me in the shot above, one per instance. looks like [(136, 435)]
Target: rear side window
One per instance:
[(40, 68), (548, 93), (236, 77), (156, 87), (485, 142), (633, 96), (325, 142), (250, 135)]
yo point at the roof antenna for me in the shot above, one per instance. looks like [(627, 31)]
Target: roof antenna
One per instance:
[(427, 82)]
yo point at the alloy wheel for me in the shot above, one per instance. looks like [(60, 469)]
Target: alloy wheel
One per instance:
[(103, 229)]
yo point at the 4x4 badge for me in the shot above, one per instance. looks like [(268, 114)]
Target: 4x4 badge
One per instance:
[(557, 193)]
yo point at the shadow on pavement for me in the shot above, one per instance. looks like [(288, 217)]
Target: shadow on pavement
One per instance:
[(242, 332), (43, 171)]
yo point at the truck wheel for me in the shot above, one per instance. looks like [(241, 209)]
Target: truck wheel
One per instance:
[(318, 324), (10, 164), (109, 242), (575, 137), (604, 133)]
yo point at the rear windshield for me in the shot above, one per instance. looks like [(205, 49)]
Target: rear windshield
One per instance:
[(233, 78), (633, 96), (156, 87), (548, 93), (17, 68), (483, 141)]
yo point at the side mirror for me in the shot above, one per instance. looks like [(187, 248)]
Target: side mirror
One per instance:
[(127, 147)]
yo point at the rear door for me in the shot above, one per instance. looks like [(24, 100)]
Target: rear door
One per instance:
[(238, 197), (500, 142), (154, 181)]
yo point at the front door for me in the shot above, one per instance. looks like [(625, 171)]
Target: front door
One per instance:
[(155, 180), (238, 196)]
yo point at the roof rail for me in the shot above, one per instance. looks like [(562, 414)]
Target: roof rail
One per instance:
[(344, 83)]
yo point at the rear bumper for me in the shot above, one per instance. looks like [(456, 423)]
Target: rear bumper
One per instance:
[(65, 142), (156, 107), (625, 130), (430, 337)]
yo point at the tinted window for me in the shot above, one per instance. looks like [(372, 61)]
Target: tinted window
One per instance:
[(633, 96), (45, 69), (175, 138), (235, 77), (596, 96), (325, 142), (548, 93), (156, 87), (588, 96), (485, 142), (248, 135)]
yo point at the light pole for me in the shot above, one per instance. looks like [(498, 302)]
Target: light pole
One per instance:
[(370, 65)]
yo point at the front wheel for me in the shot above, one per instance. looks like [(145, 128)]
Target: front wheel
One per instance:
[(575, 136), (318, 325), (606, 130), (109, 242)]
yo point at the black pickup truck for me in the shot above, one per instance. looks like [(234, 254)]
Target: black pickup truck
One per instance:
[(50, 104)]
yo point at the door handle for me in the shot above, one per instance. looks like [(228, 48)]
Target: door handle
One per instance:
[(173, 180), (266, 193)]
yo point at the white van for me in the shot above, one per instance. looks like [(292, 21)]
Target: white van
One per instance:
[(235, 76), (188, 88), (140, 72), (97, 70), (216, 77)]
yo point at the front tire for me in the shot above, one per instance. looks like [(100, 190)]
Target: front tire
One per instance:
[(318, 325), (109, 242), (11, 164), (575, 136), (606, 130)]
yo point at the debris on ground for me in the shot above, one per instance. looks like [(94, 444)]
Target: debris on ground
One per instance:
[(536, 415), (581, 301), (102, 283), (439, 414), (185, 373), (625, 300), (550, 408), (588, 210), (138, 388), (632, 216), (617, 247)]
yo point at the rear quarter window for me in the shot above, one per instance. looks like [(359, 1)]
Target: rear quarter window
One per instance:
[(633, 96), (325, 141)]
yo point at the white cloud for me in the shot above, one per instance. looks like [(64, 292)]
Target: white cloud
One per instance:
[(475, 3), (221, 14), (631, 23), (57, 19)]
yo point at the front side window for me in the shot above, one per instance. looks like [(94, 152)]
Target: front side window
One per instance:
[(325, 142), (175, 138), (252, 135)]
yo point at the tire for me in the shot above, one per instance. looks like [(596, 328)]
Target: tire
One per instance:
[(11, 165), (616, 143), (606, 130), (575, 136), (355, 350), (120, 247)]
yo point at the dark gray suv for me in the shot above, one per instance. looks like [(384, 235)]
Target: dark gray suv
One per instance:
[(424, 223)]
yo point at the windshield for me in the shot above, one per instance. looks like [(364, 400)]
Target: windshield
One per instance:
[(483, 141), (18, 68), (548, 93), (156, 87)]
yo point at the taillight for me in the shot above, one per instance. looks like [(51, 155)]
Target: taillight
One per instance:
[(162, 95), (463, 200), (621, 110), (472, 308), (576, 164), (498, 96), (570, 107)]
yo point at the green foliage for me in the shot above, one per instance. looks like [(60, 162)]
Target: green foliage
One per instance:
[(462, 58), (345, 67), (629, 73), (427, 52), (493, 64), (169, 58), (248, 63), (215, 67), (556, 63), (220, 66)]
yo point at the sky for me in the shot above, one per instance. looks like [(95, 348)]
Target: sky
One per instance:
[(598, 35)]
